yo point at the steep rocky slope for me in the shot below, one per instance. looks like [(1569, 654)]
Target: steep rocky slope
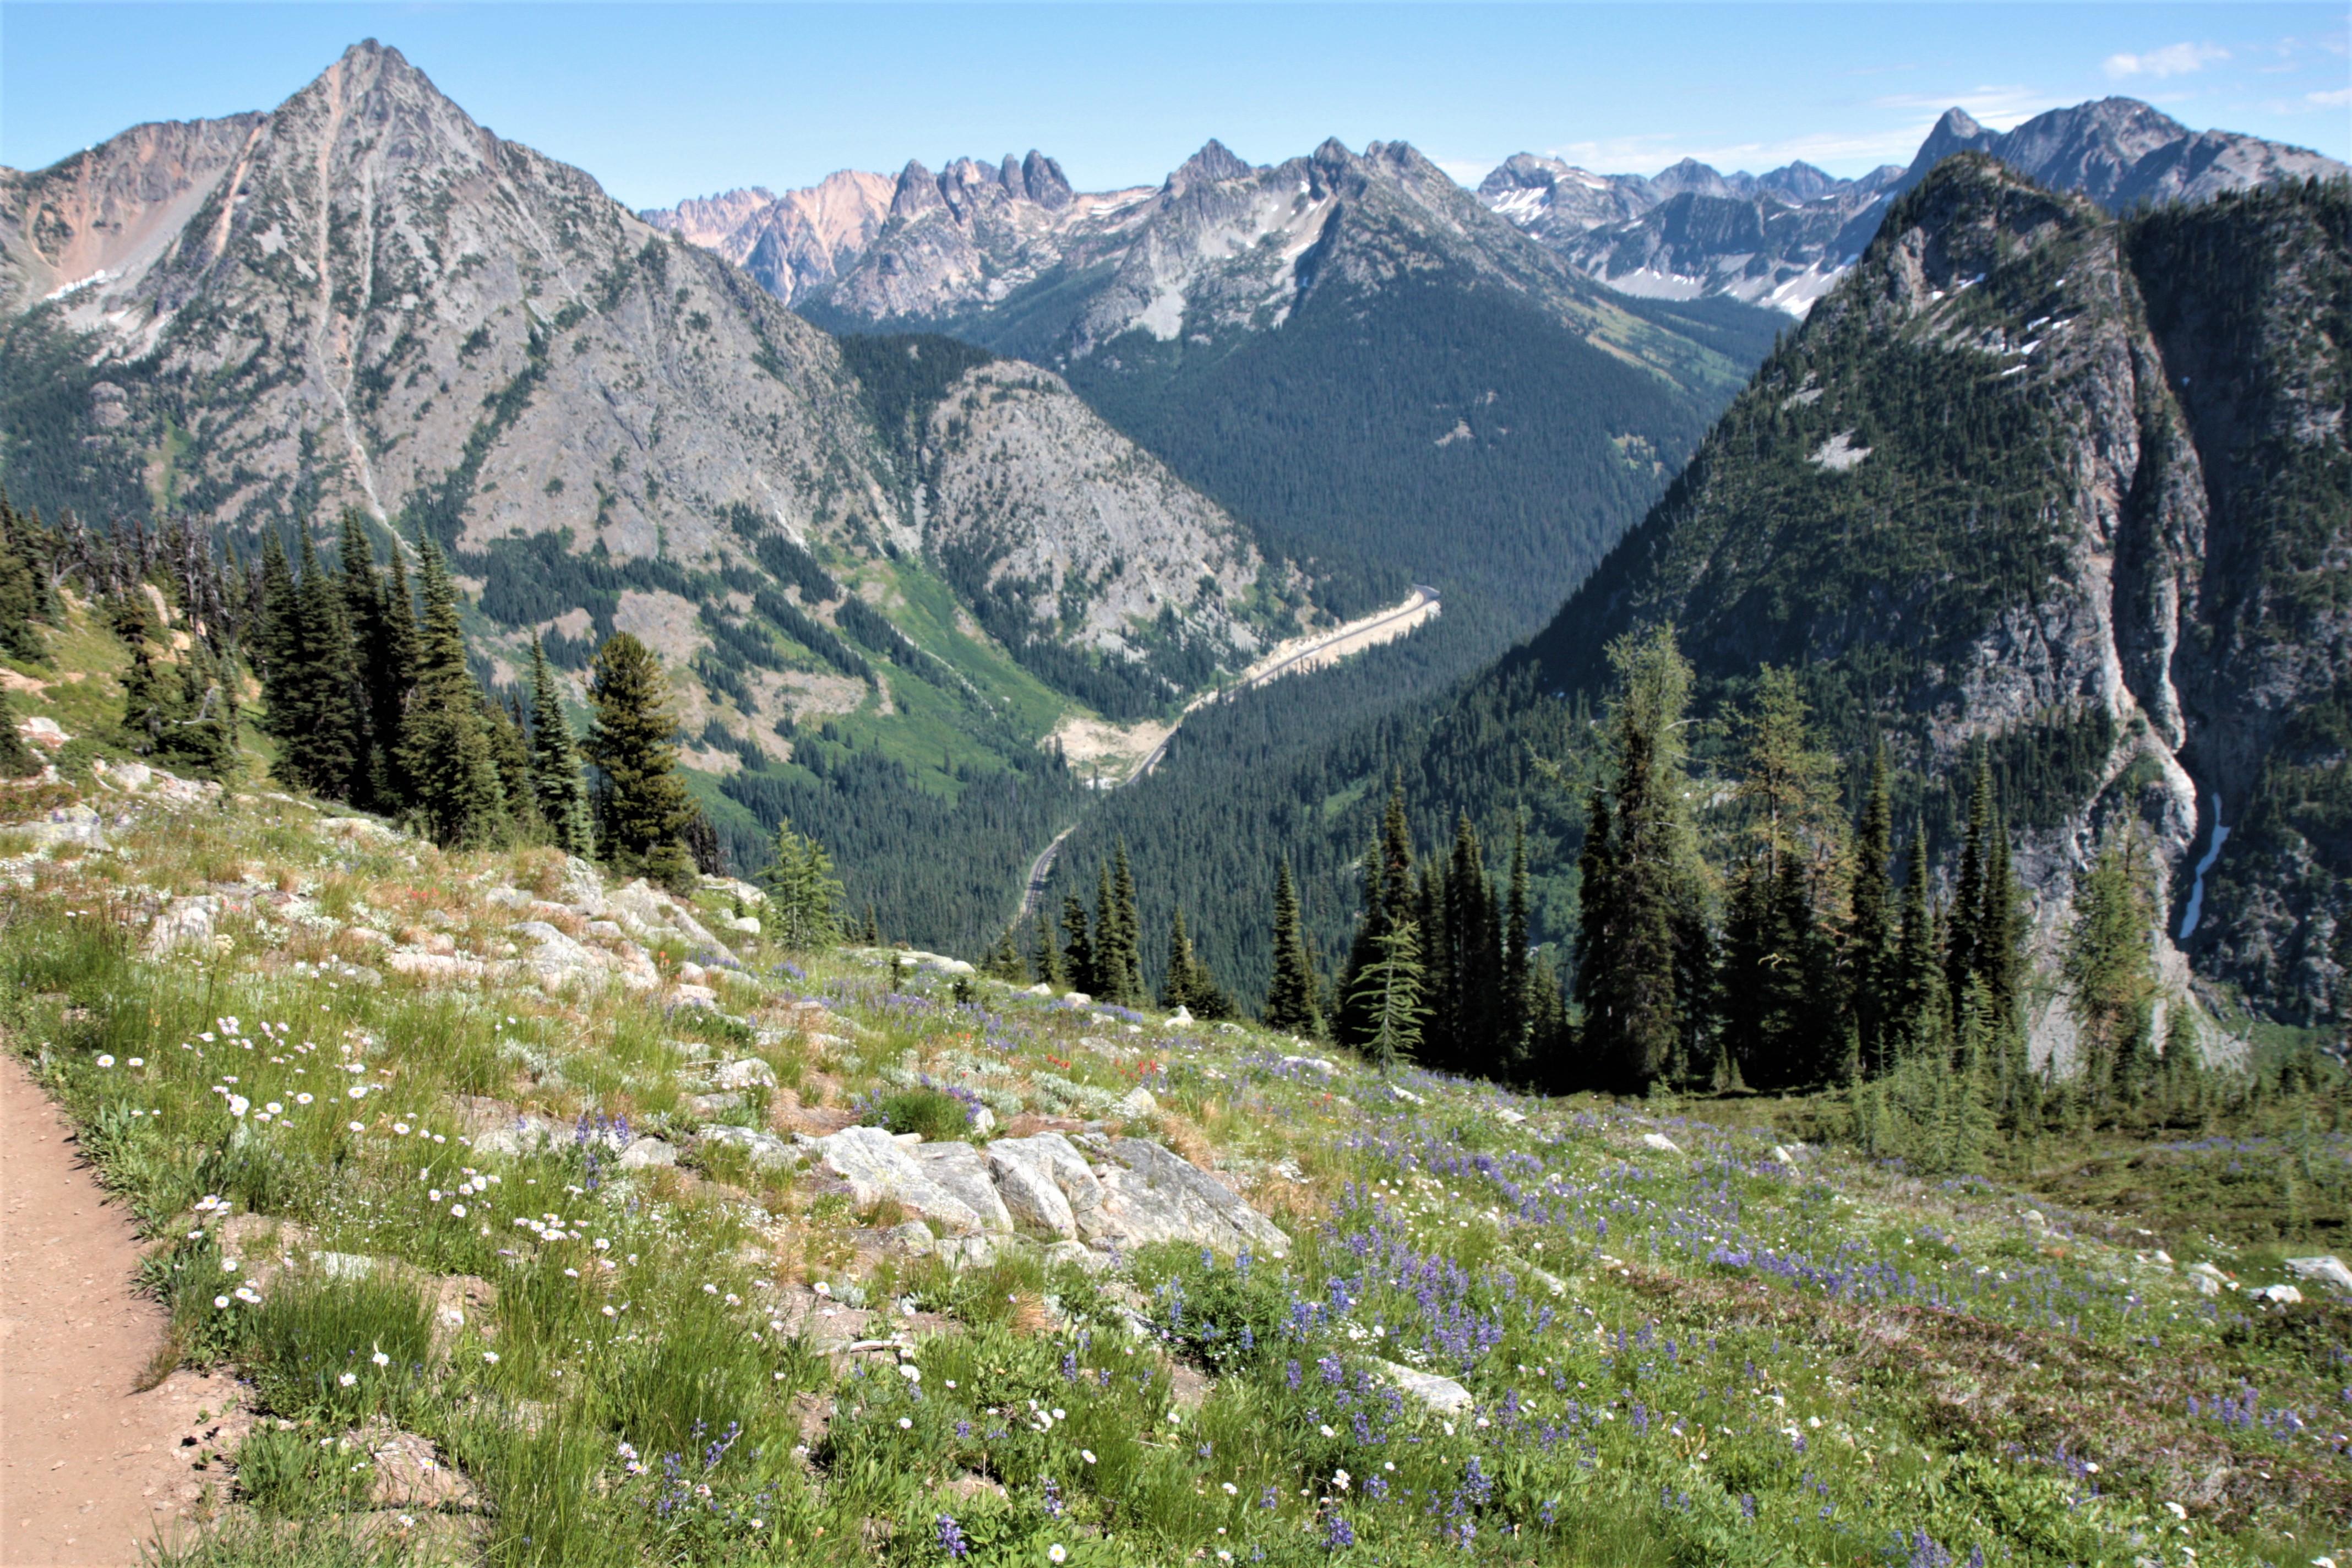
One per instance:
[(1783, 239), (365, 299), (2073, 488), (1386, 380), (791, 243)]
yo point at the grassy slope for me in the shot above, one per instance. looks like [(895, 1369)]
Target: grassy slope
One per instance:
[(1696, 1355)]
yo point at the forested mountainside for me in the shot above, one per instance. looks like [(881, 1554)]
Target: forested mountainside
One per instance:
[(1387, 383), (1783, 238), (364, 300), (2066, 488)]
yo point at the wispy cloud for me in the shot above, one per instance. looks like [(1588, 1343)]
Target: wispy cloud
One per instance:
[(2000, 107), (2336, 98), (2173, 60)]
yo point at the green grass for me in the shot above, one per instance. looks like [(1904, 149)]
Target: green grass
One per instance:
[(1659, 1346)]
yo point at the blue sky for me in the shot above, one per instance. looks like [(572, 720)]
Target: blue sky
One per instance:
[(660, 101)]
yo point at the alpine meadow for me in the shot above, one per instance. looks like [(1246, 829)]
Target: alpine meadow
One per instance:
[(1383, 857)]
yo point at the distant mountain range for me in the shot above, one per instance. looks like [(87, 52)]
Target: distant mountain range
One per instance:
[(1386, 380), (1783, 239), (1779, 239)]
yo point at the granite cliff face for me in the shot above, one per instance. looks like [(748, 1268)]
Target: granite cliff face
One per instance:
[(363, 298), (792, 243), (1783, 239), (2075, 489)]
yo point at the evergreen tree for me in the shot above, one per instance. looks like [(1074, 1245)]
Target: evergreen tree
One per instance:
[(1514, 1011), (1188, 983), (391, 677), (1969, 901), (1077, 946), (1388, 900), (510, 750), (280, 632), (17, 759), (803, 896), (1005, 961), (555, 782), (1388, 995), (641, 804), (364, 611), (1780, 984), (1870, 934), (1917, 977), (2110, 972), (24, 582), (1045, 961), (321, 743), (1129, 946), (1290, 999), (1637, 876), (452, 769)]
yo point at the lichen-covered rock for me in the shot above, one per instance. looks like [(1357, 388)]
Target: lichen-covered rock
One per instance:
[(876, 1166), (1046, 1184), (964, 1170), (767, 1151), (1151, 1195)]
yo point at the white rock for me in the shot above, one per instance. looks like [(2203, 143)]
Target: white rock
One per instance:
[(185, 922), (744, 1074), (645, 1153), (877, 1167), (582, 886), (1179, 1018), (767, 1151), (1441, 1394), (747, 924), (1045, 1184), (913, 1236), (1151, 1195), (1135, 1104), (2326, 1270), (1782, 1155), (964, 1170), (2285, 1295), (1661, 1142), (1510, 1118), (1311, 1063), (43, 732), (1041, 989), (1398, 1091)]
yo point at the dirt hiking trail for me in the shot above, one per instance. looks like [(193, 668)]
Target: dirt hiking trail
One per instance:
[(91, 1472)]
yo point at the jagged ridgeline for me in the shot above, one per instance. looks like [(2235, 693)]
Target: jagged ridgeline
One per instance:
[(2069, 487), (1387, 382), (878, 573)]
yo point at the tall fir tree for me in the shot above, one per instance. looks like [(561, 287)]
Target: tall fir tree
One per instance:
[(390, 673), (1637, 877), (1870, 934), (1389, 889), (1130, 927), (449, 757), (1514, 1012), (1917, 979), (1077, 946), (2110, 973), (642, 808), (1388, 996), (322, 747), (555, 782), (1968, 891), (1045, 960), (364, 612), (803, 896), (1290, 999), (1780, 982)]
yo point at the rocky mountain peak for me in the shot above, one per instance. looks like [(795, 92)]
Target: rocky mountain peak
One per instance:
[(1043, 181), (1800, 182), (918, 191), (1212, 163), (1693, 176)]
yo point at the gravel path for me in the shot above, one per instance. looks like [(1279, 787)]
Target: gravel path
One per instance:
[(90, 1470)]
